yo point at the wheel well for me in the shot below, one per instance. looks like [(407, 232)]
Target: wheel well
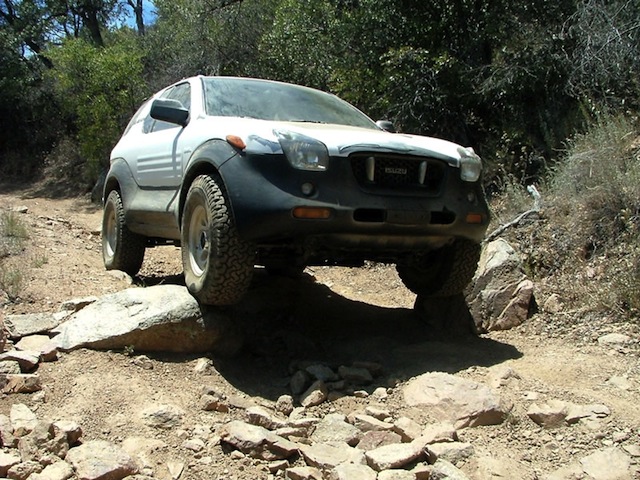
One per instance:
[(202, 168), (110, 185)]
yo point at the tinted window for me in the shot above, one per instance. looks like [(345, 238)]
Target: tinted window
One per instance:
[(182, 93), (239, 97)]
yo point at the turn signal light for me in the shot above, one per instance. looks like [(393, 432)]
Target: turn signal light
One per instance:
[(236, 141), (474, 218), (315, 213)]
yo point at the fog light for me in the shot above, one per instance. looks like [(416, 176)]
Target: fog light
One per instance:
[(307, 189), (474, 218), (315, 213)]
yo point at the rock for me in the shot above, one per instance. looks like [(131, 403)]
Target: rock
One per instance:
[(213, 400), (379, 413), (161, 318), (162, 416), (407, 429), (315, 394), (56, 471), (321, 372), (70, 429), (9, 367), (500, 295), (141, 450), (355, 375), (615, 340), (553, 304), (608, 464), (350, 471), (143, 362), (24, 470), (8, 460), (367, 423), (464, 402), (334, 428), (454, 452), (329, 455), (21, 383), (175, 469), (19, 326), (101, 460), (551, 414), (7, 439), (284, 404), (257, 442), (396, 475), (263, 418), (392, 456), (41, 344), (621, 382), (372, 440), (299, 382), (303, 473), (28, 361), (575, 413), (437, 432), (204, 366), (443, 470), (42, 442), (22, 419), (76, 304)]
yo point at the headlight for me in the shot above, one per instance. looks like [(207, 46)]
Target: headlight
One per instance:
[(304, 153), (470, 165)]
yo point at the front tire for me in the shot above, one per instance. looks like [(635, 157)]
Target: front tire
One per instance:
[(218, 265), (444, 272), (121, 248)]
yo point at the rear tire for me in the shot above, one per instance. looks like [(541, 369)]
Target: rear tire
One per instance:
[(443, 272), (218, 265), (121, 248)]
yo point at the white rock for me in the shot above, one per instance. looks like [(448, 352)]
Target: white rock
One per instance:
[(98, 459)]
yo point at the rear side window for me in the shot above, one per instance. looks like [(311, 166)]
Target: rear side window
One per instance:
[(139, 116)]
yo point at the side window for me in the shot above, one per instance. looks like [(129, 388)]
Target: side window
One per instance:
[(182, 93), (139, 116)]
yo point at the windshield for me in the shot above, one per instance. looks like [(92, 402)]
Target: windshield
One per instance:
[(265, 100)]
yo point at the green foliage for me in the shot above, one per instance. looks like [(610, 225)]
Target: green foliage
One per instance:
[(99, 88), (13, 234)]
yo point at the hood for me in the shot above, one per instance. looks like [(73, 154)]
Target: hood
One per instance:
[(341, 140)]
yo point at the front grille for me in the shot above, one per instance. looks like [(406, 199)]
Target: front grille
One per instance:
[(398, 172)]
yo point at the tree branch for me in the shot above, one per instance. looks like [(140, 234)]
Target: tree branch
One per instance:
[(537, 205)]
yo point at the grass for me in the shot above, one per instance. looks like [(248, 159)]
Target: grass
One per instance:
[(13, 234), (587, 242)]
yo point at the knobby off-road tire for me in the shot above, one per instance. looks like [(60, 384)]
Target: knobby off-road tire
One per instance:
[(444, 272), (121, 248), (218, 265)]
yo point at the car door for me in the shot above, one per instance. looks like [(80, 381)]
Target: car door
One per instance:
[(160, 153)]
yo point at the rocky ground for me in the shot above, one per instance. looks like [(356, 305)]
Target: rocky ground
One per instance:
[(556, 398)]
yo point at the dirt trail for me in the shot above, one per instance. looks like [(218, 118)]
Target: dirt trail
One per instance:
[(332, 315)]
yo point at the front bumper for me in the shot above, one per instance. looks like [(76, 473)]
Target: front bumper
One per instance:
[(264, 191)]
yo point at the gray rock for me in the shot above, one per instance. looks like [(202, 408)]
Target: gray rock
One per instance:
[(71, 430), (257, 442), (162, 416), (321, 372), (464, 402), (329, 455), (334, 428), (101, 460), (407, 429), (437, 432), (284, 404), (443, 470), (299, 382), (27, 361), (392, 456), (615, 340), (350, 471), (160, 318), (500, 294), (19, 326), (608, 464), (8, 367), (453, 452)]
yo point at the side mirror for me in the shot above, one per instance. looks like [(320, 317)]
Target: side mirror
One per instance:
[(386, 125), (171, 111)]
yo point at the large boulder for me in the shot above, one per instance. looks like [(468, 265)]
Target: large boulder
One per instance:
[(500, 296), (161, 318)]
